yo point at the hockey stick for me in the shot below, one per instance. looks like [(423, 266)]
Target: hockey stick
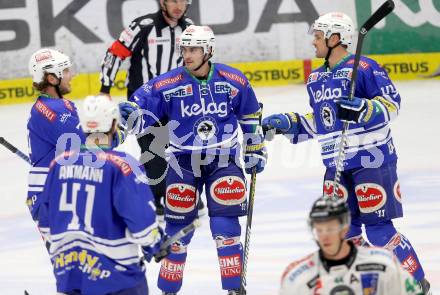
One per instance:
[(249, 223), (13, 149), (248, 231), (163, 251), (377, 16)]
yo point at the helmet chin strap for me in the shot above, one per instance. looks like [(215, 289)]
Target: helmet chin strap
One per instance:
[(204, 61), (57, 86), (329, 52)]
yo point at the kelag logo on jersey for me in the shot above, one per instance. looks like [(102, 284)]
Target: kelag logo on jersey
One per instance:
[(325, 93), (211, 108), (178, 92), (225, 87), (344, 73)]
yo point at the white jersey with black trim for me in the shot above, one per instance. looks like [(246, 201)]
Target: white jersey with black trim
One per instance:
[(367, 271)]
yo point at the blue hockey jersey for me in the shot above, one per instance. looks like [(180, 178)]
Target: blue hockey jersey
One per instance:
[(95, 212), (51, 119), (203, 114), (369, 145)]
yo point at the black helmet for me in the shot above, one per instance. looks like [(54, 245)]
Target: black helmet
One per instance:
[(325, 209)]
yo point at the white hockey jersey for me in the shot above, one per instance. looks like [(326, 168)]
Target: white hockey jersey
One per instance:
[(372, 271)]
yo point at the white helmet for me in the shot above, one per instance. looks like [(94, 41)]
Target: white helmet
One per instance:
[(198, 36), (48, 60), (97, 114), (335, 23)]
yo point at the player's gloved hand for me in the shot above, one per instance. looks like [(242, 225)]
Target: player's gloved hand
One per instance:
[(255, 154), (358, 110), (154, 250), (118, 137), (280, 124), (126, 108), (163, 251)]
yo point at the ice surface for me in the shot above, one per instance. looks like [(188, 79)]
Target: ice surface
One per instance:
[(284, 194)]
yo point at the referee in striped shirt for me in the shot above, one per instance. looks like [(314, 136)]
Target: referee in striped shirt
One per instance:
[(150, 42)]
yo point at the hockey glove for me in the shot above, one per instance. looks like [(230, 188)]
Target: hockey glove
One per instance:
[(126, 108), (118, 138), (255, 154), (358, 110), (280, 124), (154, 250)]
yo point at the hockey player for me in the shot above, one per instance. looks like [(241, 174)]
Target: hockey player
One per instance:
[(369, 180), (341, 267), (53, 125), (52, 120), (204, 102), (96, 212), (150, 41)]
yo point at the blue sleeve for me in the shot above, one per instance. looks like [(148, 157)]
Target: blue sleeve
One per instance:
[(247, 110), (245, 103), (376, 85), (134, 203), (150, 100), (306, 127)]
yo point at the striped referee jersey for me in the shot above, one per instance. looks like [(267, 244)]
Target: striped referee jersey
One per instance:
[(152, 46)]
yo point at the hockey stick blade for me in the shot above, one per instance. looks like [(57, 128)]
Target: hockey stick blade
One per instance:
[(171, 240), (377, 16)]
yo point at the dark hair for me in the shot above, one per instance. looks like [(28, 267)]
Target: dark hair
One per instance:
[(43, 84)]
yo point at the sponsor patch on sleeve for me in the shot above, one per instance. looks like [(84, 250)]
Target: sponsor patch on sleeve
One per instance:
[(43, 109), (168, 81), (234, 77)]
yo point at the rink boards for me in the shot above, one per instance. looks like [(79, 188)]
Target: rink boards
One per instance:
[(260, 73)]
